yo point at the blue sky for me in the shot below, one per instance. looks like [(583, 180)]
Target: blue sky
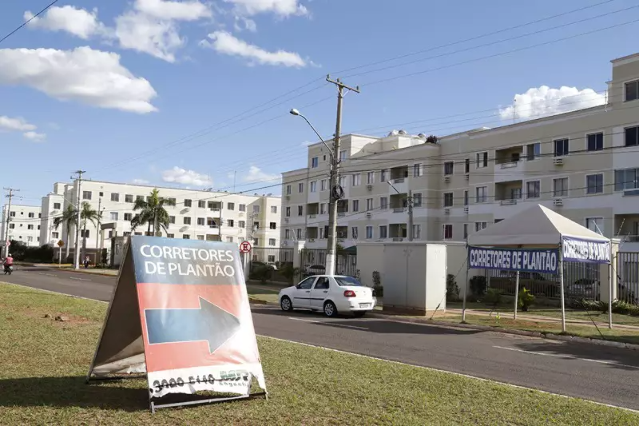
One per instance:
[(135, 90)]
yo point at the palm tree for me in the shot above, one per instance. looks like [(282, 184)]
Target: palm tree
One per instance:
[(88, 214), (69, 218), (152, 213)]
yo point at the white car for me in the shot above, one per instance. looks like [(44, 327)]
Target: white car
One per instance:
[(331, 294)]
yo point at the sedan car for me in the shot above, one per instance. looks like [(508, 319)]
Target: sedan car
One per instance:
[(331, 294)]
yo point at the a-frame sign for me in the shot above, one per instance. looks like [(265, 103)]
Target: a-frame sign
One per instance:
[(180, 314)]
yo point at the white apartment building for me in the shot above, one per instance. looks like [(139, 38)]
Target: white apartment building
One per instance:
[(24, 224), (583, 164), (202, 215)]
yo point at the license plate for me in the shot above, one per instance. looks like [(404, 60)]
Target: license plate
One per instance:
[(364, 305)]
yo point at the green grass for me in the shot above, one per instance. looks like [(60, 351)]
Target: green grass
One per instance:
[(263, 294), (44, 363)]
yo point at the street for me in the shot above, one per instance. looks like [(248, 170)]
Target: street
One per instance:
[(603, 374)]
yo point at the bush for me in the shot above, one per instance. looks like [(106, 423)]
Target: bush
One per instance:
[(618, 307), (526, 299), (289, 272), (452, 290), (493, 296), (377, 284), (262, 273), (478, 285), (19, 251)]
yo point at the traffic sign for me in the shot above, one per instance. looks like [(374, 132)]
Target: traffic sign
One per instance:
[(184, 305), (60, 243), (245, 247)]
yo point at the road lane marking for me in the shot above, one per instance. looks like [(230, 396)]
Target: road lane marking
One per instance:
[(599, 361), (78, 279), (48, 275), (354, 327)]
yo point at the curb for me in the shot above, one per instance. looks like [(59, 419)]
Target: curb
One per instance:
[(102, 274)]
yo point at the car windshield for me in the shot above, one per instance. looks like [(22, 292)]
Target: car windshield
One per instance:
[(347, 281)]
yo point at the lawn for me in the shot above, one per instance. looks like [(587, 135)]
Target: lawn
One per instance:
[(44, 363)]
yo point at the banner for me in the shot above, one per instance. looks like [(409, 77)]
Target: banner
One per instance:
[(533, 260), (585, 251)]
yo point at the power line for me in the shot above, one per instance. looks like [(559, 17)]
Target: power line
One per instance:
[(27, 21)]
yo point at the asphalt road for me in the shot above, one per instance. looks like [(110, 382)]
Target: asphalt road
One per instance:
[(598, 373)]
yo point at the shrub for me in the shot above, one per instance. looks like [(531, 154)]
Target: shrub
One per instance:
[(262, 273), (21, 252), (478, 285), (493, 296), (377, 284), (289, 272), (526, 299), (452, 290)]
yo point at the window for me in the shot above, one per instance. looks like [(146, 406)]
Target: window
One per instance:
[(466, 197), (465, 230), (273, 209), (533, 151), (355, 205), (357, 179), (383, 203), (594, 184), (595, 224), (241, 224), (561, 147), (30, 227), (313, 187), (256, 225), (256, 209), (560, 187), (299, 234), (480, 225), (370, 178), (417, 200), (369, 204), (342, 181), (172, 201), (289, 190), (300, 187), (114, 215), (354, 232), (271, 242), (31, 215), (230, 206), (306, 284), (188, 203), (626, 179), (39, 215), (449, 167), (632, 91), (383, 175), (187, 220), (448, 232), (417, 231), (201, 204), (128, 216), (85, 233), (481, 160), (417, 170), (171, 219), (242, 207), (300, 210), (86, 195), (323, 185), (342, 155), (288, 212), (322, 284), (383, 231), (321, 232), (272, 225), (57, 206), (632, 136), (186, 237), (595, 142), (287, 234), (256, 242), (230, 223), (314, 162), (115, 197), (467, 166), (323, 208), (200, 221), (481, 194), (533, 189), (12, 226), (369, 232), (229, 239), (448, 199)]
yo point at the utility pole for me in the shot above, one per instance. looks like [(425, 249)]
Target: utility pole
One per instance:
[(6, 230), (98, 233), (76, 254), (410, 215), (335, 193)]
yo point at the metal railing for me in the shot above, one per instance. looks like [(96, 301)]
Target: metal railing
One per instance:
[(627, 269)]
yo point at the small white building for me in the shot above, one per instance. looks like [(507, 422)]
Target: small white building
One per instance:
[(24, 224)]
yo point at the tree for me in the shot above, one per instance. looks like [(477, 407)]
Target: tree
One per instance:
[(69, 218), (152, 213), (88, 214)]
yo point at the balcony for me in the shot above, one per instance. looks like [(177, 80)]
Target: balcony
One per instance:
[(627, 226), (508, 193), (342, 208), (397, 230), (312, 210), (312, 233), (399, 174), (398, 202)]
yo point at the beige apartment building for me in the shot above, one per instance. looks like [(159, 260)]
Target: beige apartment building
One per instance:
[(583, 164)]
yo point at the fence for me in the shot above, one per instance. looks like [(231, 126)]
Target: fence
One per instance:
[(313, 261), (627, 270), (276, 259)]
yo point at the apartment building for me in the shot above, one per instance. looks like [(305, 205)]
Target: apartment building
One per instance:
[(24, 224), (202, 215), (583, 164)]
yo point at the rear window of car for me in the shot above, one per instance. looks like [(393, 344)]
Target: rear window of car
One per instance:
[(347, 281)]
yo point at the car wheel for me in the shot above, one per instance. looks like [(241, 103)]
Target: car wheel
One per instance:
[(359, 314), (329, 309), (286, 304)]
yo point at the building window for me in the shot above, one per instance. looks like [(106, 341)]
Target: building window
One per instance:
[(128, 198), (86, 195), (480, 225), (383, 203), (417, 170), (30, 227), (230, 206), (465, 230), (594, 183), (272, 225), (383, 177), (632, 90), (323, 185), (481, 160), (12, 214), (383, 231), (115, 197), (188, 203), (287, 234), (200, 221), (271, 242), (229, 239), (448, 232), (288, 212), (342, 155), (230, 223), (354, 232), (632, 136), (560, 187), (300, 210), (114, 215), (595, 142), (321, 232), (533, 151), (171, 219), (289, 190), (12, 226), (467, 166), (417, 232), (357, 179), (187, 220), (256, 209), (561, 147), (369, 204), (31, 215), (355, 205), (128, 216), (342, 181), (57, 206), (314, 162), (448, 199), (481, 194), (369, 232), (256, 225), (449, 168), (626, 179), (241, 224), (466, 197), (595, 224), (85, 233), (313, 186), (533, 189), (300, 187), (370, 178), (299, 234), (201, 204), (323, 208), (274, 209), (186, 237), (417, 200)]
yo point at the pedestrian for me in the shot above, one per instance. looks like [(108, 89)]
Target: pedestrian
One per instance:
[(86, 262)]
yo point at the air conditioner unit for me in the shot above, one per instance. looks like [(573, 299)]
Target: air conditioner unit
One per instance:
[(369, 187), (558, 202), (369, 215), (447, 211), (465, 209), (558, 162), (446, 179), (467, 176)]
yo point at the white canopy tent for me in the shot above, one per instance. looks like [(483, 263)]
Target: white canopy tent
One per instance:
[(539, 227)]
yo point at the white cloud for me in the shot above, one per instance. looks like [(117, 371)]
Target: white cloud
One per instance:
[(140, 182), (143, 33), (186, 177), (543, 101), (225, 43), (15, 124), (174, 10), (281, 8), (84, 75), (36, 137), (242, 24), (78, 22), (256, 174)]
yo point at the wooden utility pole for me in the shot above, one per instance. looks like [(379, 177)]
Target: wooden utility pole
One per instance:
[(6, 230)]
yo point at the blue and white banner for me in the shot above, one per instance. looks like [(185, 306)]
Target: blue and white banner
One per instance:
[(533, 260), (585, 251)]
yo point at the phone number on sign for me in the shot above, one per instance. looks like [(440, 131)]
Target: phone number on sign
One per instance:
[(234, 378)]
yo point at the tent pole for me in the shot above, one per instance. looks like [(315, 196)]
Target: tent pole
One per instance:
[(465, 286), (561, 288), (610, 294), (516, 294)]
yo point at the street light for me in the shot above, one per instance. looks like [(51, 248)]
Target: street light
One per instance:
[(299, 114)]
